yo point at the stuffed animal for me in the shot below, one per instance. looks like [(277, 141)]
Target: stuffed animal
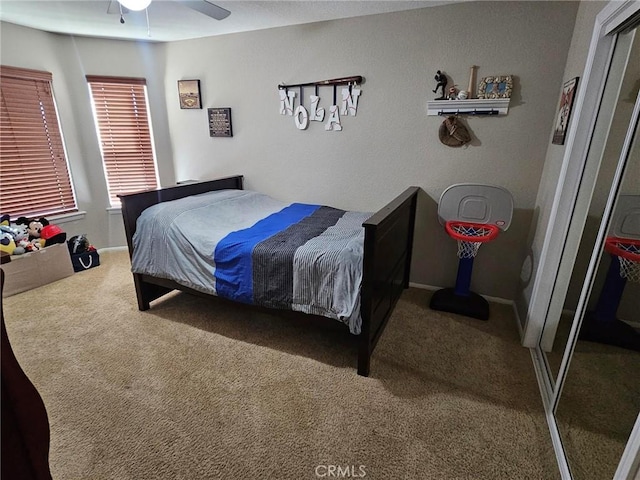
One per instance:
[(34, 225), (7, 243), (21, 238), (52, 234)]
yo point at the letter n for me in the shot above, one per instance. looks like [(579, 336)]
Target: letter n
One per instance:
[(350, 101), (286, 102)]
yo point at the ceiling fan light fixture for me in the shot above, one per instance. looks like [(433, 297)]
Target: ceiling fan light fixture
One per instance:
[(135, 5)]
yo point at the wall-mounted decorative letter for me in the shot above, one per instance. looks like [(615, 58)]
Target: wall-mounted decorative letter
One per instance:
[(316, 114), (287, 100), (350, 101), (333, 122), (301, 123)]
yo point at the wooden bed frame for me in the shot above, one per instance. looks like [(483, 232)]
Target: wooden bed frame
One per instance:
[(388, 243)]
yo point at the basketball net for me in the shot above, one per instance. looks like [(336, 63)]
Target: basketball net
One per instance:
[(465, 233), (628, 254)]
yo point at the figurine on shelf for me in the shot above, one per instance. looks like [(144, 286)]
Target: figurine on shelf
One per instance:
[(453, 93), (441, 78)]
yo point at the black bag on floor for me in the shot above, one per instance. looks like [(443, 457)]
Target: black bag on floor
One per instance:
[(85, 261), (83, 255)]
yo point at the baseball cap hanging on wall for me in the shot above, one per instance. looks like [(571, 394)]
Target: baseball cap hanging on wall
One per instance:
[(454, 133)]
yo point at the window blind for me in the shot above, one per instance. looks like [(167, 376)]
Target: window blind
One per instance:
[(120, 107), (34, 176)]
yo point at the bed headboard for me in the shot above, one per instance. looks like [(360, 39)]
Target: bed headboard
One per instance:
[(133, 204)]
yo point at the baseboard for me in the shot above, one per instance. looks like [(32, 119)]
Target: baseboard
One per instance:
[(112, 249), (434, 288)]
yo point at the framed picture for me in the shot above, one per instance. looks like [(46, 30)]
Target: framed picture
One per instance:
[(220, 122), (499, 86), (564, 111), (189, 93)]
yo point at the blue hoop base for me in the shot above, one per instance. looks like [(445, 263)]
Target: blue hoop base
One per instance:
[(470, 305)]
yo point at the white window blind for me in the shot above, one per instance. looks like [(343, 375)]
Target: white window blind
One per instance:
[(121, 111), (34, 175)]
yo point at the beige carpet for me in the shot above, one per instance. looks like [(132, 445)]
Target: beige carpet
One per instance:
[(204, 389), (599, 404)]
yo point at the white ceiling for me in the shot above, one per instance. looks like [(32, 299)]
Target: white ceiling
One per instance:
[(171, 20)]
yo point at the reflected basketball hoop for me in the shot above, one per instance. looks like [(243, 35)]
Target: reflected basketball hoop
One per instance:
[(602, 324), (627, 250)]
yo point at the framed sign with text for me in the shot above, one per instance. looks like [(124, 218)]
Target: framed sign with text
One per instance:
[(220, 122)]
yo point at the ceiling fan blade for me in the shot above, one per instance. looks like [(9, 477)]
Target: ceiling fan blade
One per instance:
[(208, 8)]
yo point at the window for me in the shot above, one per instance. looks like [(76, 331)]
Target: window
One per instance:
[(122, 119), (34, 176)]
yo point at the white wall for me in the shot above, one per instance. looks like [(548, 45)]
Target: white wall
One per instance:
[(390, 145), (577, 56)]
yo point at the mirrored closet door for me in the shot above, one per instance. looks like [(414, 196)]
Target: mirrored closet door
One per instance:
[(590, 344), (597, 181), (599, 398)]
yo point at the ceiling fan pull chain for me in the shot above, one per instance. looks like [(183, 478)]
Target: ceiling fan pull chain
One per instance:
[(146, 12)]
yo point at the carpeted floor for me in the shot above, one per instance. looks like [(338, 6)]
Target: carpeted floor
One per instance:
[(204, 389)]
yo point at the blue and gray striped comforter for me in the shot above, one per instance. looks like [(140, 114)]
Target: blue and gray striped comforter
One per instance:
[(251, 248)]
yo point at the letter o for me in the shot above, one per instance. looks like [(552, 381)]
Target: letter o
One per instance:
[(301, 125)]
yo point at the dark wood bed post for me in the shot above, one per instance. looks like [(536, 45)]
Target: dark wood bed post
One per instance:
[(388, 245)]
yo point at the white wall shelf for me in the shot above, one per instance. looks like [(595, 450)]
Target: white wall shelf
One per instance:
[(474, 106)]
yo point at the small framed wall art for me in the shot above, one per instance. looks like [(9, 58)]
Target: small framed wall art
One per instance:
[(564, 111), (189, 93), (499, 86), (220, 122)]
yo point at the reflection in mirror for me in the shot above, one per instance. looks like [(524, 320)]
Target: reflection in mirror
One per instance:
[(604, 151), (600, 397)]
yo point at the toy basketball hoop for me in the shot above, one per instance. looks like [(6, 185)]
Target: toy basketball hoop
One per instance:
[(470, 236), (472, 214), (627, 250)]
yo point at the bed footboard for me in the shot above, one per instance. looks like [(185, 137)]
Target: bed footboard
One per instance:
[(388, 244)]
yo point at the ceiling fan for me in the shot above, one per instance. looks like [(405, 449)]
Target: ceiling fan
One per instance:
[(203, 6)]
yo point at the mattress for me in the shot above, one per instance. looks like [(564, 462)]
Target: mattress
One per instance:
[(252, 248)]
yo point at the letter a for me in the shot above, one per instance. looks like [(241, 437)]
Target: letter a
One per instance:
[(286, 102), (333, 123)]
